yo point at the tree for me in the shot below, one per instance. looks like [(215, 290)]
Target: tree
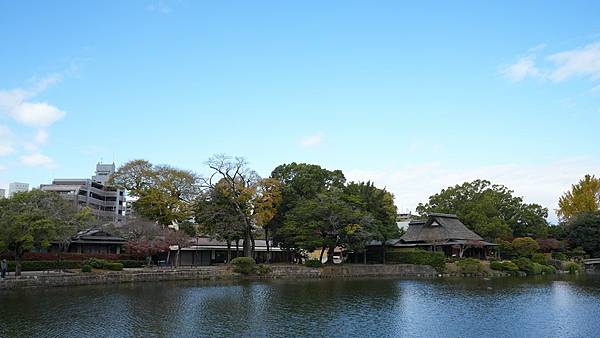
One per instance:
[(378, 205), (33, 219), (490, 210), (145, 239), (179, 239), (584, 232), (236, 183), (299, 182), (584, 197), (164, 194), (326, 221), (69, 222), (218, 218), (266, 202)]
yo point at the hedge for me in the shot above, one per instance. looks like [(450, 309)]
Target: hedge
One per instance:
[(53, 265), (313, 263), (469, 265), (420, 257)]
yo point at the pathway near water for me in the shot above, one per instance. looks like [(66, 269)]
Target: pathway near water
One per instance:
[(467, 307)]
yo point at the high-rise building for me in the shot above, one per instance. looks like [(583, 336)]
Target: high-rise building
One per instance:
[(103, 172), (2, 193), (107, 204), (16, 187)]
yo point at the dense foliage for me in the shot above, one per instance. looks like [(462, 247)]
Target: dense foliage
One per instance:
[(584, 197), (584, 232), (35, 219), (490, 210)]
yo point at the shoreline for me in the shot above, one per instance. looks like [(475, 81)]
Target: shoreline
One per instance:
[(143, 275)]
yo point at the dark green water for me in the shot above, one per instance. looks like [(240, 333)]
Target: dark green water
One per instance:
[(507, 307)]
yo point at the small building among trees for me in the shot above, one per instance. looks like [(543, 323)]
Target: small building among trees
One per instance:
[(445, 232)]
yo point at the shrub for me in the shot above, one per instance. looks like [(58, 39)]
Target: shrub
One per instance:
[(128, 263), (262, 269), (420, 257), (113, 266), (525, 246), (313, 263), (496, 265), (469, 265), (509, 266), (243, 265), (540, 258), (555, 263), (572, 267), (559, 256), (524, 264), (86, 268), (548, 270), (95, 263)]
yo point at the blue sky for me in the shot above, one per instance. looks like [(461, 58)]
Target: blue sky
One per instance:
[(415, 97)]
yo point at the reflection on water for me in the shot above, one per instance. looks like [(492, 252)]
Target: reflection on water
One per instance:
[(504, 307)]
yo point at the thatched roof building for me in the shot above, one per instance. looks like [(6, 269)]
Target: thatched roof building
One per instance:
[(446, 232)]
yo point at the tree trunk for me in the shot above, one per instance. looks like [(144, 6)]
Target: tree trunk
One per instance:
[(365, 256), (247, 244), (253, 251), (177, 257), (237, 247), (169, 257), (383, 251), (330, 255), (268, 260), (321, 255), (228, 251), (18, 261)]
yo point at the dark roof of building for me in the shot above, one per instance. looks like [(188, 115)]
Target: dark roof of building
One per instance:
[(437, 228), (96, 235)]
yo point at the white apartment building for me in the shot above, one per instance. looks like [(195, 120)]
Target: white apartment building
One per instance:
[(16, 187)]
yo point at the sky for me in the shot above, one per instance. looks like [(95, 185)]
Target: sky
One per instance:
[(415, 96)]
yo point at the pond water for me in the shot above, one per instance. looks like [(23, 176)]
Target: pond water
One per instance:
[(504, 307)]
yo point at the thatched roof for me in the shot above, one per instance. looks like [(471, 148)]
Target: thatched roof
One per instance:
[(438, 228)]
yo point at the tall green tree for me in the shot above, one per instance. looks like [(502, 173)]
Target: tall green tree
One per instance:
[(490, 210), (379, 205), (218, 218), (34, 219), (164, 194), (584, 197), (299, 182), (584, 232), (325, 221)]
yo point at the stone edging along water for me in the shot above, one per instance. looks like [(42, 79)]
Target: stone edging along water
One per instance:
[(215, 273)]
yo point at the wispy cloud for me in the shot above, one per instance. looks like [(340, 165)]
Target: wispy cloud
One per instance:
[(523, 68), (6, 142), (413, 184), (311, 141), (579, 62), (38, 160), (583, 62), (159, 7)]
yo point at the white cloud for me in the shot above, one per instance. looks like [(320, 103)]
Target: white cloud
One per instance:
[(311, 141), (523, 68), (16, 104), (542, 183), (37, 160), (6, 143), (581, 62), (159, 7), (584, 62)]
